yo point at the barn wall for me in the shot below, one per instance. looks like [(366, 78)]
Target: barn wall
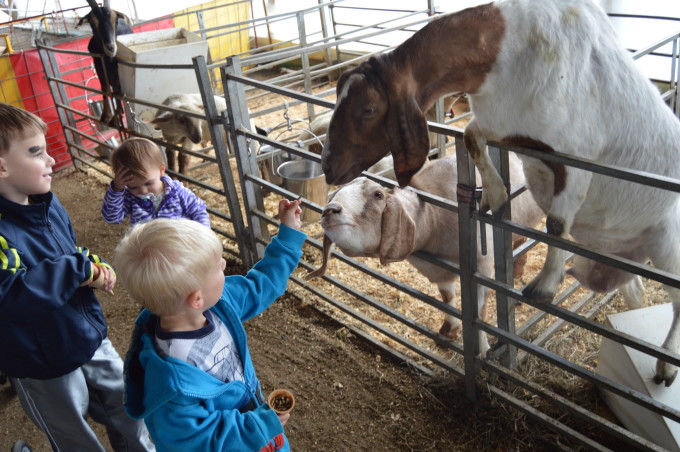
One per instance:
[(22, 83)]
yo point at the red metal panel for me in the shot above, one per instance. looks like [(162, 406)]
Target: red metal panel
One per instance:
[(36, 96)]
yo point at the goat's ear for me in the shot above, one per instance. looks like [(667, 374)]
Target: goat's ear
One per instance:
[(82, 20), (327, 248), (341, 81), (160, 119), (124, 18), (398, 234), (409, 139)]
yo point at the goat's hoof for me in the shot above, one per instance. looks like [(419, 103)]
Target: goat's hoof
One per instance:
[(532, 292), (665, 373), (667, 381), (449, 331)]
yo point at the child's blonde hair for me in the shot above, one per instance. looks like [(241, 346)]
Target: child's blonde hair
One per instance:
[(17, 123), (136, 154), (161, 262)]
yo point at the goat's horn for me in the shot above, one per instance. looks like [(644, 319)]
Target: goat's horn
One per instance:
[(327, 248)]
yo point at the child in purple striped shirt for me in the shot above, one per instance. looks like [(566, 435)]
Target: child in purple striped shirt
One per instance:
[(141, 189)]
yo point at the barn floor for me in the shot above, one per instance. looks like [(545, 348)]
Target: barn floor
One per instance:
[(350, 397)]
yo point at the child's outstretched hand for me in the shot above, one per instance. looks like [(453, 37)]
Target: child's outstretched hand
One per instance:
[(289, 213), (123, 177)]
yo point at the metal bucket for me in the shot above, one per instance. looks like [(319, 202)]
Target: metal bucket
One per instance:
[(96, 110), (268, 162), (305, 178), (106, 151)]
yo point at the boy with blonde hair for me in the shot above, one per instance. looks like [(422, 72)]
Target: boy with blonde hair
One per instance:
[(53, 333), (188, 370), (141, 189)]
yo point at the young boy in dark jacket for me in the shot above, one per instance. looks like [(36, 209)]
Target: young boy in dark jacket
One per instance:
[(188, 371), (53, 334)]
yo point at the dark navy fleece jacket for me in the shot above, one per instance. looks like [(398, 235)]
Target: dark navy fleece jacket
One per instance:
[(49, 325)]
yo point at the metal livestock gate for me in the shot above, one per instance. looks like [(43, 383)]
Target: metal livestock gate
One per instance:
[(377, 315)]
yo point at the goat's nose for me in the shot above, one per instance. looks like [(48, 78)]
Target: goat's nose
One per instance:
[(331, 209), (111, 49)]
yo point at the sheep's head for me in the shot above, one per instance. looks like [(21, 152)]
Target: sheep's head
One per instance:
[(173, 124), (375, 114)]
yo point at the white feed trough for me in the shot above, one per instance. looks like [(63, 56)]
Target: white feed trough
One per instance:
[(172, 46), (636, 370)]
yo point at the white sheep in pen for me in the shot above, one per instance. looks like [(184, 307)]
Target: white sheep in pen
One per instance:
[(183, 130), (545, 74), (364, 219), (188, 131)]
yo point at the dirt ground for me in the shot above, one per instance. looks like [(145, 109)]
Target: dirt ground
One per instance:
[(350, 396)]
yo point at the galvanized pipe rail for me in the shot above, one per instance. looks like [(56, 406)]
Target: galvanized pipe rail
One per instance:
[(565, 315)]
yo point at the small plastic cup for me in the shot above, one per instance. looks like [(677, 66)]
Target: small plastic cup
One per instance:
[(281, 401)]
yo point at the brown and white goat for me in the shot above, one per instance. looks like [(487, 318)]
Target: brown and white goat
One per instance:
[(319, 126), (544, 74), (106, 25), (365, 220)]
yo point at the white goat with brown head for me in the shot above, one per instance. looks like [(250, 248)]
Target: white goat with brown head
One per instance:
[(544, 74), (364, 219)]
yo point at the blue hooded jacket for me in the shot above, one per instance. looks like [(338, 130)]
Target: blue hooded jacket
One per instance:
[(185, 408), (49, 325)]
